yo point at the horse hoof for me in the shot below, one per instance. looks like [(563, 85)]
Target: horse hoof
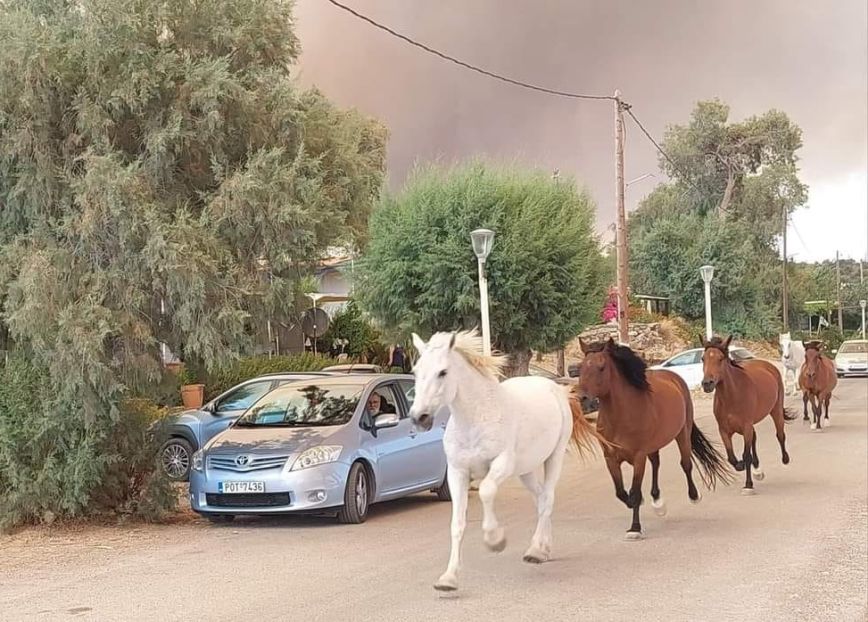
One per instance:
[(497, 542), (698, 498), (758, 474), (659, 506), (446, 584), (535, 557), (828, 423), (748, 492), (785, 458), (632, 536), (813, 426)]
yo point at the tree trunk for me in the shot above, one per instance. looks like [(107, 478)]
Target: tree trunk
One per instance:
[(727, 195), (519, 361)]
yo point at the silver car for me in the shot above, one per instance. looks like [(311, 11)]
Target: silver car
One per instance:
[(330, 445), (852, 358)]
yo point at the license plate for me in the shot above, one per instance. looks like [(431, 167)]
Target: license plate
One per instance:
[(228, 488)]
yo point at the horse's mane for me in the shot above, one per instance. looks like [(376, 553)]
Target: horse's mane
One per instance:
[(719, 344), (631, 366), (468, 344)]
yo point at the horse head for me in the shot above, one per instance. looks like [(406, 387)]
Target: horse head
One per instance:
[(715, 358)]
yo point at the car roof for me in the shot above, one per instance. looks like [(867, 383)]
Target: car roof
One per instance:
[(361, 379), (854, 341)]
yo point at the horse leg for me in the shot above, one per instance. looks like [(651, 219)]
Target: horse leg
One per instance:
[(541, 546), (726, 437), (535, 554), (635, 532), (817, 412), (499, 471), (686, 451), (614, 466), (780, 421), (657, 502), (459, 483), (749, 436), (757, 471), (805, 404), (827, 401)]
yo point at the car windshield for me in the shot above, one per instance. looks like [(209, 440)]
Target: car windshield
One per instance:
[(304, 405), (854, 348)]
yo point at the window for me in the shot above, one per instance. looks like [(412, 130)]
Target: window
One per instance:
[(244, 397), (688, 358), (387, 402), (304, 406), (409, 389), (854, 347)]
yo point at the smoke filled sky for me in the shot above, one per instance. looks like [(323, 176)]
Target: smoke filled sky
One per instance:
[(807, 58)]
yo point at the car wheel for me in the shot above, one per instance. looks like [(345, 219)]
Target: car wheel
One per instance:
[(443, 493), (175, 458), (220, 519), (356, 496)]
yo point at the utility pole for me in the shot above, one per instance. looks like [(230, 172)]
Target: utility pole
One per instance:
[(561, 362), (840, 312), (786, 299), (621, 221)]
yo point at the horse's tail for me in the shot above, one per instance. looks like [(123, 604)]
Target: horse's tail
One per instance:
[(584, 432), (790, 414), (712, 465)]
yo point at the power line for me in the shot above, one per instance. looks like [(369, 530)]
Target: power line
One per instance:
[(461, 63), (657, 146)]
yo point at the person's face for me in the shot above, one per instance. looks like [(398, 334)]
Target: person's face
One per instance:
[(374, 403)]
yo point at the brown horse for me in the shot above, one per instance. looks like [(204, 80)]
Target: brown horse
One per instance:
[(640, 412), (744, 394), (818, 379)]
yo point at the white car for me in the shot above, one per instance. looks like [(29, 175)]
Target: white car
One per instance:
[(688, 364), (852, 358)]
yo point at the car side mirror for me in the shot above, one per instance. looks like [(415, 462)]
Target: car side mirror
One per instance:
[(386, 420)]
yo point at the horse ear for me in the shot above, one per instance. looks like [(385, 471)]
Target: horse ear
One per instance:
[(727, 342), (610, 345), (701, 341), (452, 341), (583, 346), (418, 343)]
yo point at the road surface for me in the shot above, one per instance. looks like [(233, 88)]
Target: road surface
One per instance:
[(798, 550)]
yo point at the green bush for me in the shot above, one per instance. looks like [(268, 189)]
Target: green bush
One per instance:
[(350, 324), (251, 367), (54, 462)]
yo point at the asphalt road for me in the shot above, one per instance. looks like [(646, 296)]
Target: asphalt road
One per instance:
[(798, 550)]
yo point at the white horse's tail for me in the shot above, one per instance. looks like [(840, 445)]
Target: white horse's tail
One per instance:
[(584, 432)]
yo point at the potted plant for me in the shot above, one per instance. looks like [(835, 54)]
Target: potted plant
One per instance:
[(192, 391)]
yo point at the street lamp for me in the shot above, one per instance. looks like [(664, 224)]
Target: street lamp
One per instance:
[(863, 303), (314, 297), (483, 240), (707, 273)]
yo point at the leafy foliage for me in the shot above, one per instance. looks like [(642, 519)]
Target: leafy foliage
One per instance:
[(54, 461), (544, 273), (162, 179), (351, 325), (724, 207)]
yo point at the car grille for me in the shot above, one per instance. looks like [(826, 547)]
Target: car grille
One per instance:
[(256, 463), (251, 500)]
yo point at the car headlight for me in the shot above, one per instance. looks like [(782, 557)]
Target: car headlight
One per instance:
[(317, 455), (198, 461)]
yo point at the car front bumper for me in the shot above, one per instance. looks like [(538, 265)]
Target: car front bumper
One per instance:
[(308, 490)]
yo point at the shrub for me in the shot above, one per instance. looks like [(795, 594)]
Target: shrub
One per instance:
[(55, 462), (251, 367)]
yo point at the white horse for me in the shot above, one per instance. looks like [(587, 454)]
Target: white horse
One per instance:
[(495, 430), (792, 358)]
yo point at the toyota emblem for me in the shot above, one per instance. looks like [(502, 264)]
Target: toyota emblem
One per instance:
[(242, 460)]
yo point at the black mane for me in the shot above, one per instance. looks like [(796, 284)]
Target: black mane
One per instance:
[(631, 366), (815, 345)]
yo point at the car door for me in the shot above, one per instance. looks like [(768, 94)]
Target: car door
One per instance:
[(231, 405), (689, 366), (429, 452), (397, 467)]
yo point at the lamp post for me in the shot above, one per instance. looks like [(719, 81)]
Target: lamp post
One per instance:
[(483, 240), (863, 303), (707, 273)]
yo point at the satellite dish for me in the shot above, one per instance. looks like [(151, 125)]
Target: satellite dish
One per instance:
[(314, 322)]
